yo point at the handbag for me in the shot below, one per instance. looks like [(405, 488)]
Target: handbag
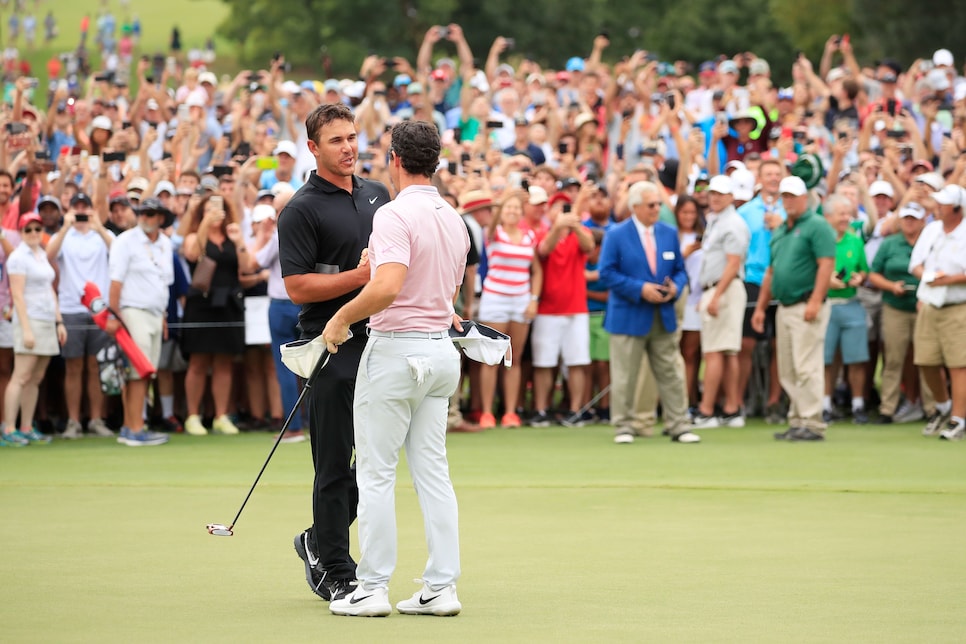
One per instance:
[(204, 273)]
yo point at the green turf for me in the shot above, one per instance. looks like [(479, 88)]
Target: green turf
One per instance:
[(565, 536)]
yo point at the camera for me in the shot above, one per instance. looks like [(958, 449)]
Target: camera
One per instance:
[(16, 128), (562, 148), (510, 43), (115, 157), (366, 156), (669, 98), (82, 217), (494, 125), (443, 32)]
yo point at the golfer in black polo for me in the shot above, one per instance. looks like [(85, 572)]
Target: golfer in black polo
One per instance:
[(321, 233)]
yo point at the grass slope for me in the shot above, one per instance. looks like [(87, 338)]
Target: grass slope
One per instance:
[(565, 537)]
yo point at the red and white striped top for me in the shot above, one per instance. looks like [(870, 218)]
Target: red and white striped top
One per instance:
[(508, 264)]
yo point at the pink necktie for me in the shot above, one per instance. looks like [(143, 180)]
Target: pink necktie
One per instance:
[(650, 250)]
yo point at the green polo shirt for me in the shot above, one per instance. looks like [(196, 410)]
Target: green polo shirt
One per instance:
[(892, 262), (794, 255), (850, 258)]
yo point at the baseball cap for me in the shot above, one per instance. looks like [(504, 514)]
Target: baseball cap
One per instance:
[(786, 94), (286, 147), (80, 197), (139, 184), (835, 74), (401, 79), (415, 88), (28, 217), (537, 195), (49, 199), (792, 186), (728, 67), (438, 75), (942, 58), (151, 104), (332, 85), (264, 194), (707, 68), (583, 119), (261, 212), (208, 77), (743, 182), (152, 205), (937, 80), (164, 186), (209, 183), (482, 343), (721, 184), (575, 64), (912, 209), (102, 123), (503, 68), (951, 195), (881, 188), (759, 67), (735, 165), (932, 179), (195, 100), (479, 82)]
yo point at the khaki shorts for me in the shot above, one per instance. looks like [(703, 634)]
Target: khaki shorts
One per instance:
[(146, 329), (940, 336), (722, 333)]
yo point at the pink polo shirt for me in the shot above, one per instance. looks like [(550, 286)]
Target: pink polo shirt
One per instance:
[(423, 232)]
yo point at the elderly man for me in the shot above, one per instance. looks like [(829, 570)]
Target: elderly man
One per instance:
[(938, 259), (802, 260), (642, 266), (722, 306)]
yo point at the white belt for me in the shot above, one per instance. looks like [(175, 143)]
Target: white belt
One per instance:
[(419, 335)]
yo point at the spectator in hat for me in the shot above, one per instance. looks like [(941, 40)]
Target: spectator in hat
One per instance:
[(141, 266), (38, 331), (51, 212), (80, 250), (420, 108), (121, 215), (286, 154), (890, 273), (522, 143), (213, 233), (508, 304), (101, 130), (736, 136)]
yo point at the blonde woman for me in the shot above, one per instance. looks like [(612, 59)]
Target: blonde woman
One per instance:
[(511, 291), (38, 331)]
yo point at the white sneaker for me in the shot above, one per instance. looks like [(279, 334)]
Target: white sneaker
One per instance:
[(73, 430), (908, 413), (624, 439), (442, 603), (686, 437), (700, 421), (223, 425), (953, 432), (99, 428), (363, 603), (194, 426)]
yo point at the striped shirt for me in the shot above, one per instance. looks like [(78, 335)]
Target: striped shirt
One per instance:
[(509, 264)]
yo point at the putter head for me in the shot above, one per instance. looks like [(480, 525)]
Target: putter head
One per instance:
[(219, 530)]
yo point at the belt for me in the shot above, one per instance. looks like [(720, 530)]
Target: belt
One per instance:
[(710, 285), (410, 335), (838, 301), (803, 298)]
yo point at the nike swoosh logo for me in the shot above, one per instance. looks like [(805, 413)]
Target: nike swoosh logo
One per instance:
[(356, 600), (373, 200), (423, 601)]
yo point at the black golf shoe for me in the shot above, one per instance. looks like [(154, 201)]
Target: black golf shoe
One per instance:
[(314, 576)]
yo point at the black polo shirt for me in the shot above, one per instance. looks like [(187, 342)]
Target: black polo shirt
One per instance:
[(323, 229)]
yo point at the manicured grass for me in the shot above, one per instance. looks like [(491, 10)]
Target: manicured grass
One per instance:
[(565, 537)]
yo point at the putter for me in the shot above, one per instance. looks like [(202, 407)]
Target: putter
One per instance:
[(222, 530)]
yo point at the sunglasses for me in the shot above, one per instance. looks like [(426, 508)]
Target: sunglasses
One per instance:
[(33, 229)]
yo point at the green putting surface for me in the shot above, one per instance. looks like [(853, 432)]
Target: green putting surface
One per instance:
[(565, 537)]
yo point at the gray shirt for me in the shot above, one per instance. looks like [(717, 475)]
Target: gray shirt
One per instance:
[(726, 234)]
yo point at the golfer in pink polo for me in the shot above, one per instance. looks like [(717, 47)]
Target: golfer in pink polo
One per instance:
[(407, 374)]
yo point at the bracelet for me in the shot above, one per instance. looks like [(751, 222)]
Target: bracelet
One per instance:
[(534, 298), (60, 323)]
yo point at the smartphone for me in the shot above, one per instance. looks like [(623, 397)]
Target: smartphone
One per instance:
[(16, 128), (669, 98), (42, 155), (82, 217), (169, 64), (222, 170), (115, 157), (895, 134), (184, 113), (32, 83), (165, 156), (891, 106), (366, 156), (443, 32), (125, 125), (510, 43), (842, 135), (457, 134), (494, 125), (840, 275), (911, 287), (562, 148), (567, 207), (465, 158), (266, 163), (217, 201), (721, 118)]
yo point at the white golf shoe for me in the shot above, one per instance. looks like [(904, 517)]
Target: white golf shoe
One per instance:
[(442, 603), (363, 603)]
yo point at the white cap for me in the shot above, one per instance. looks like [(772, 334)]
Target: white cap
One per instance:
[(743, 182), (261, 212), (932, 179), (138, 183), (735, 165), (195, 99), (792, 186), (537, 195), (291, 87), (913, 209), (282, 186), (208, 77), (881, 188), (959, 93), (721, 184), (835, 74), (286, 147), (355, 90), (942, 58), (479, 81), (102, 123), (504, 69), (951, 195), (583, 119), (164, 186), (937, 80)]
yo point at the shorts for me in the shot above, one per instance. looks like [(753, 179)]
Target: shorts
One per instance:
[(84, 337), (146, 329), (6, 333), (171, 357), (940, 336), (556, 336), (752, 291), (847, 331), (692, 317), (45, 338), (599, 338), (722, 333), (502, 309), (871, 300)]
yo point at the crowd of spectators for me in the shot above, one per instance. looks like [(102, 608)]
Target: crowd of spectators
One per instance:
[(541, 162)]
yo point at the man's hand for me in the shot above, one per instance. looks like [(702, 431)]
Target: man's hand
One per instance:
[(947, 280), (567, 220), (898, 288), (856, 280), (758, 321), (335, 333), (364, 258), (457, 322), (712, 307), (112, 326), (652, 293), (811, 310)]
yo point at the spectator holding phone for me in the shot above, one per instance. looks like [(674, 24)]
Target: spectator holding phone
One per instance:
[(80, 250), (284, 156), (214, 312), (38, 331)]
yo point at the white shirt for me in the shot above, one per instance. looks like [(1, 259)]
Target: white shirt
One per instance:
[(145, 268), (267, 257), (38, 289), (937, 251), (82, 259), (643, 232)]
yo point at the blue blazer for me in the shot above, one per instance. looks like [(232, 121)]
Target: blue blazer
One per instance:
[(624, 270)]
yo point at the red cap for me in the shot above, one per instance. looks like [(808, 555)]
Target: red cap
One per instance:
[(28, 217), (563, 76), (558, 196), (438, 74), (923, 163)]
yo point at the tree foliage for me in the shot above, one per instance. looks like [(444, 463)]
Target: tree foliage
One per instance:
[(330, 37)]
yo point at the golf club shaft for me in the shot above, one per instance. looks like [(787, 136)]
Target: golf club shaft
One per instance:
[(295, 409), (593, 401)]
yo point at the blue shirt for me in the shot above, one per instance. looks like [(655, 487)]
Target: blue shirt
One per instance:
[(268, 180), (759, 250)]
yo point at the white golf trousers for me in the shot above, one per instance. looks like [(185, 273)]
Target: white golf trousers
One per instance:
[(401, 399)]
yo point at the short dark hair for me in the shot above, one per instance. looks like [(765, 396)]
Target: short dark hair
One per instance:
[(417, 145), (325, 114), (5, 173)]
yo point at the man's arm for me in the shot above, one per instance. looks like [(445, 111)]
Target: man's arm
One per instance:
[(314, 287), (376, 296), (826, 265)]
